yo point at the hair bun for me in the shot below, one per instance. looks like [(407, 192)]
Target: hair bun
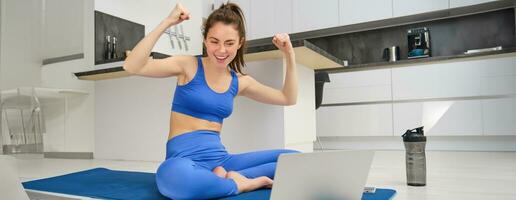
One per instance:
[(233, 7)]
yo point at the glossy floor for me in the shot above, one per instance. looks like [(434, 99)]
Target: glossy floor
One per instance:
[(450, 175)]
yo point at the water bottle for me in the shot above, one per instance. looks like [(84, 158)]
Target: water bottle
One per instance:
[(415, 159)]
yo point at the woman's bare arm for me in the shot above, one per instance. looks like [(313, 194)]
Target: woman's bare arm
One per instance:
[(265, 94), (138, 61)]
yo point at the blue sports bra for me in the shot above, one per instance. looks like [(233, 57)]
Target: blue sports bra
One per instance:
[(198, 100)]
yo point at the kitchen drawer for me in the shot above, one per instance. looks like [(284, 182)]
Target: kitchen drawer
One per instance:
[(362, 86), (358, 120), (439, 117), (499, 116), (439, 80)]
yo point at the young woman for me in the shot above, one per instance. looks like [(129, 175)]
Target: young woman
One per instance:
[(197, 166)]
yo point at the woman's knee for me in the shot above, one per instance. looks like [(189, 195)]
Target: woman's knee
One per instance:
[(174, 177), (180, 178)]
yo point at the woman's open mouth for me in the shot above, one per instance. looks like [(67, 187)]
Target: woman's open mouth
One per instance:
[(221, 59)]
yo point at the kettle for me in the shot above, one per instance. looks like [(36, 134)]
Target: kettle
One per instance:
[(391, 54)]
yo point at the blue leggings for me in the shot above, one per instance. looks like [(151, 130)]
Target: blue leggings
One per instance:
[(187, 171)]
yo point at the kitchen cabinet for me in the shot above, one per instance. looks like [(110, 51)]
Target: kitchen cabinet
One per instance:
[(438, 80), (266, 18), (312, 15), (472, 78), (440, 118), (361, 86), (410, 7), (460, 3), (21, 31), (352, 12), (499, 116), (498, 76), (63, 30), (357, 120), (269, 17)]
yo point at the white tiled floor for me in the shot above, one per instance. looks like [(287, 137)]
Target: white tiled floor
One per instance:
[(450, 175)]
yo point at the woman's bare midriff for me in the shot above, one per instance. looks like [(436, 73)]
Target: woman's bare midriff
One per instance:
[(181, 123)]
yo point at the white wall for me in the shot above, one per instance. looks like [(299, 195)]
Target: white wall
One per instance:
[(254, 125), (300, 126), (132, 118)]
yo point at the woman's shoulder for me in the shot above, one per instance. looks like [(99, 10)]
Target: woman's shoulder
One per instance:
[(243, 77), (245, 80), (186, 60), (189, 62)]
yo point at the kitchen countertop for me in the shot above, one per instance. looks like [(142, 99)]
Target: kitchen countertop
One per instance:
[(511, 51), (306, 53), (111, 69)]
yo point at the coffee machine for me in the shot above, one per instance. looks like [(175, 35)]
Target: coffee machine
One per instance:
[(418, 43)]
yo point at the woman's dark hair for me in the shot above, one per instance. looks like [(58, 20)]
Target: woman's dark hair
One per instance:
[(230, 14)]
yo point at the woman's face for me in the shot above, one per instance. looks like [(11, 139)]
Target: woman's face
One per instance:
[(222, 43)]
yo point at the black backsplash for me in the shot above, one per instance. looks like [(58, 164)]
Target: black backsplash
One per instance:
[(128, 34), (449, 37)]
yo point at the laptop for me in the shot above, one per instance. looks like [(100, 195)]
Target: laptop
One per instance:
[(322, 175)]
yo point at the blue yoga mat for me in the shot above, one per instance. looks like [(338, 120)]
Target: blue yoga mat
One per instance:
[(111, 184)]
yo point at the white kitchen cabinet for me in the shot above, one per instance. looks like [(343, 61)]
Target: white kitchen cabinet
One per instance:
[(313, 15), (460, 3), (410, 7), (63, 29), (443, 118), (356, 120), (498, 76), (360, 86), (269, 17), (21, 31), (483, 77), (439, 80), (498, 85), (499, 116), (352, 12)]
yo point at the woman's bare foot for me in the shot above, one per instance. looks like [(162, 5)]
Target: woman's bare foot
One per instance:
[(220, 172), (245, 185)]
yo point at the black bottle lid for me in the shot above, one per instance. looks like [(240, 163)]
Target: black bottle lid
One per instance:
[(414, 135)]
